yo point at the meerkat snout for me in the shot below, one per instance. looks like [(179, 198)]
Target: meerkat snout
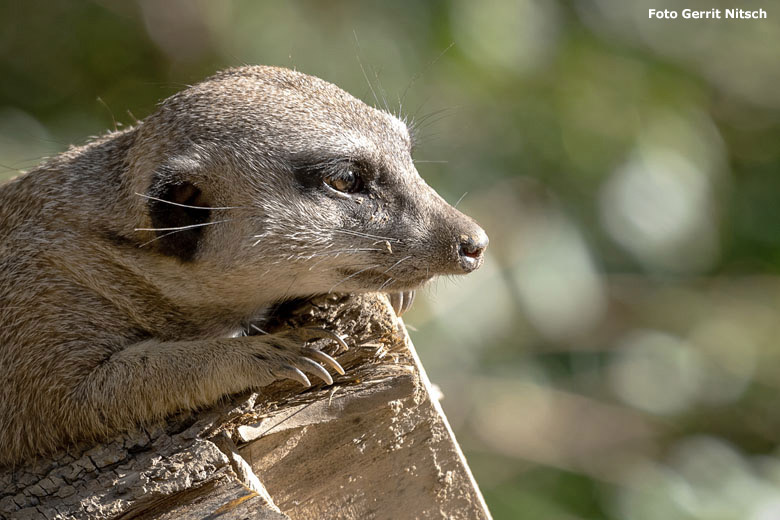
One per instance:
[(471, 248)]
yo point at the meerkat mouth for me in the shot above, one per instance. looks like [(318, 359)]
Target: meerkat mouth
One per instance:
[(381, 280)]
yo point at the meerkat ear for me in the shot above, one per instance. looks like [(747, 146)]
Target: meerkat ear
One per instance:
[(179, 213)]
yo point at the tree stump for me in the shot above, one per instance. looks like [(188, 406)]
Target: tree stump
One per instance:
[(375, 444)]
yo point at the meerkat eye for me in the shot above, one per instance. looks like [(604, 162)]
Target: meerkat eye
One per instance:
[(346, 180)]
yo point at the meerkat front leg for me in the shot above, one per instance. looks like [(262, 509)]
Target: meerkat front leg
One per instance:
[(151, 379)]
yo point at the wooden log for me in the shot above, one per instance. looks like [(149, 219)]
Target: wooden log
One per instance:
[(375, 444)]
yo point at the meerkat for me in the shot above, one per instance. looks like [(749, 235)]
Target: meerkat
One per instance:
[(129, 266)]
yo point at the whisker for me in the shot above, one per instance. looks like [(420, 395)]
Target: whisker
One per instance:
[(461, 198), (185, 205), (352, 276), (258, 329), (420, 74), (364, 235), (350, 250), (318, 262), (396, 264), (363, 70), (335, 254), (171, 231), (157, 238), (387, 283), (382, 92), (182, 228), (417, 124), (340, 251)]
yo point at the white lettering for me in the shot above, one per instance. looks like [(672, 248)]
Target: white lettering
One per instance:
[(666, 13), (698, 15), (743, 14), (711, 14)]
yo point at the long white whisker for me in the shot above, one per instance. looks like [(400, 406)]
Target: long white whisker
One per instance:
[(420, 74), (258, 329), (352, 276), (339, 251), (185, 205), (174, 230), (363, 69), (325, 257), (182, 228), (364, 235), (387, 283), (395, 264), (157, 238), (335, 254)]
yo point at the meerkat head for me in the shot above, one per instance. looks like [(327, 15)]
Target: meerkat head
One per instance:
[(267, 172)]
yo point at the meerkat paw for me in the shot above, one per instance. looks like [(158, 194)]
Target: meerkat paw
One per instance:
[(292, 358), (401, 301)]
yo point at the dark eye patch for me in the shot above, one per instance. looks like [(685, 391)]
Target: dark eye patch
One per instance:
[(189, 209)]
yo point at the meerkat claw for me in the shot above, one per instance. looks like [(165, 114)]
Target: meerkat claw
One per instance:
[(396, 299), (408, 300), (326, 334), (327, 360), (295, 374), (401, 302), (315, 368)]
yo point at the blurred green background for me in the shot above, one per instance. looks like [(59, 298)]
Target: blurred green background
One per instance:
[(617, 356)]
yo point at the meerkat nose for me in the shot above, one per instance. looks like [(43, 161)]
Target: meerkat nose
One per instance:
[(471, 248)]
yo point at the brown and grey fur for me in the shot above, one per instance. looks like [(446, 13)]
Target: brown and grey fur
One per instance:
[(110, 318)]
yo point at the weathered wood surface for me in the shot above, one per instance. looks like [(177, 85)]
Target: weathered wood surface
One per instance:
[(375, 444)]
